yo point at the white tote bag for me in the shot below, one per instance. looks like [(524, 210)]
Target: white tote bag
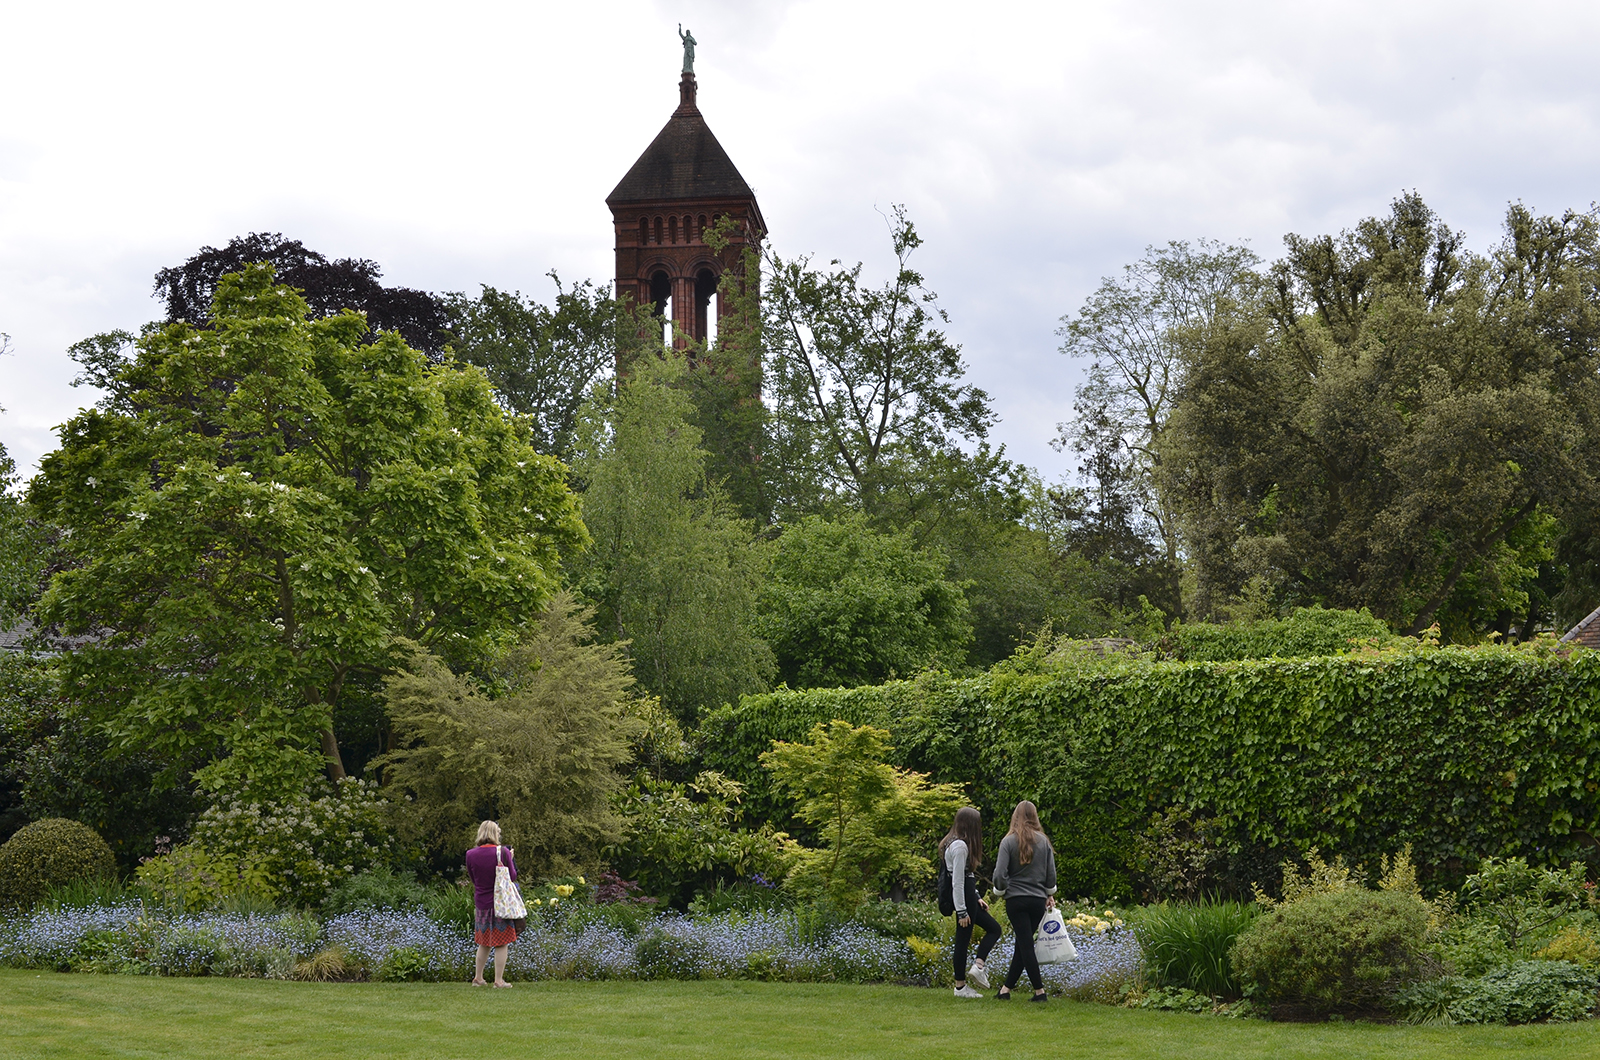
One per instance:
[(1050, 943), (507, 899)]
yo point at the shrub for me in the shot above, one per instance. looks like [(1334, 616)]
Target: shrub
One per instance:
[(1521, 900), (898, 920), (1573, 944), (539, 755), (877, 821), (192, 879), (681, 840), (1338, 949), (1179, 853), (305, 846), (49, 852), (1188, 945), (664, 954), (1519, 992), (379, 888)]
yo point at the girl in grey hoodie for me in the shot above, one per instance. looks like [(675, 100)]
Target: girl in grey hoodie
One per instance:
[(1025, 876)]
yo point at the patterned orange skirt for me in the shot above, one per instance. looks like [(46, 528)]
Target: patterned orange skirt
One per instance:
[(490, 930)]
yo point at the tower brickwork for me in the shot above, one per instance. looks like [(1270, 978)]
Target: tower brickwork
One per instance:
[(682, 185)]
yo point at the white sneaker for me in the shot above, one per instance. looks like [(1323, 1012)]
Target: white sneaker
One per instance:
[(976, 974), (967, 991)]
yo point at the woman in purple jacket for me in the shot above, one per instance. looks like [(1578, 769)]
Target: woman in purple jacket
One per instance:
[(488, 930)]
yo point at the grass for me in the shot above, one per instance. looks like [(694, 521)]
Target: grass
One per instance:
[(44, 1014), (1186, 943)]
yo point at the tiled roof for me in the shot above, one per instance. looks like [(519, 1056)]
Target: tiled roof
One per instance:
[(684, 161), (1586, 633), (25, 636)]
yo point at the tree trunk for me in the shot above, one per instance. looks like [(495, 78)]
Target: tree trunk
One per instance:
[(330, 750)]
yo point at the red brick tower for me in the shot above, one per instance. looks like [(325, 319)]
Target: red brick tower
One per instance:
[(682, 184)]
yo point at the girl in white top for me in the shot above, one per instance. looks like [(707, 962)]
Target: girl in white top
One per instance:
[(962, 851)]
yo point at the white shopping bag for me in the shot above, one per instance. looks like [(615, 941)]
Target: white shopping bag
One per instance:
[(507, 899), (1051, 944)]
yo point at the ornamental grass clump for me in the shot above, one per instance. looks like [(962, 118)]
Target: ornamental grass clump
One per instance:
[(1188, 944)]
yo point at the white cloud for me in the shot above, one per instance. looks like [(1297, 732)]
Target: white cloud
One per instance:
[(1038, 145)]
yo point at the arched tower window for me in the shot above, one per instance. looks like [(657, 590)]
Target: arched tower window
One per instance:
[(658, 230), (644, 230), (705, 316), (661, 295), (672, 228)]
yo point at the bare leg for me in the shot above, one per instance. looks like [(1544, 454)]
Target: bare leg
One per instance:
[(500, 955), (483, 958)]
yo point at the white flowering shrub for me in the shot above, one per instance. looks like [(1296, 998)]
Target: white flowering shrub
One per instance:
[(306, 846)]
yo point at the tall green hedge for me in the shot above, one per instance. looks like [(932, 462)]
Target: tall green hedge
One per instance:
[(1460, 752)]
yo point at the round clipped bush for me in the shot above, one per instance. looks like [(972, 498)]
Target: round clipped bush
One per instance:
[(1336, 950), (50, 852)]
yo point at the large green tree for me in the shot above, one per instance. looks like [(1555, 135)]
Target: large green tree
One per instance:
[(845, 605), (258, 510), (674, 569), (869, 411), (864, 386), (1403, 425), (1135, 331), (543, 359)]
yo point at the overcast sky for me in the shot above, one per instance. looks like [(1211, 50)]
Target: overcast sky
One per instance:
[(1038, 146)]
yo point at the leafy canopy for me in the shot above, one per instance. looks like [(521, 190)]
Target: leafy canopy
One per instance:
[(260, 508), (1399, 424), (844, 605), (674, 570), (542, 360)]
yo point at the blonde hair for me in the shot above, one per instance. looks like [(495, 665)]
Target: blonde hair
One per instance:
[(488, 832), (1025, 826)]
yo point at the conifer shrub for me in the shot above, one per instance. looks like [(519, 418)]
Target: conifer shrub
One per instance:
[(1343, 949), (48, 853)]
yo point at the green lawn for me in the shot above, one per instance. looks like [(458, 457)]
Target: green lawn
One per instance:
[(51, 1015)]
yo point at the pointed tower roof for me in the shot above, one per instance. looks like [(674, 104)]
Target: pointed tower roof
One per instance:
[(684, 161)]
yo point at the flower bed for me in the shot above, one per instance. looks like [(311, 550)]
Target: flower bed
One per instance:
[(585, 945)]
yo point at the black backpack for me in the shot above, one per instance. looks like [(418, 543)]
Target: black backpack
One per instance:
[(947, 891)]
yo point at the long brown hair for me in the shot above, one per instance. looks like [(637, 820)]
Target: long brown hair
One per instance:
[(967, 827), (1025, 826)]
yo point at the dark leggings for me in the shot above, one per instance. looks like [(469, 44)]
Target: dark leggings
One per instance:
[(1024, 914), (979, 916)]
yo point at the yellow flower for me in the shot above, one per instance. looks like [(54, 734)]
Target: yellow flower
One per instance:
[(553, 901), (564, 890), (1109, 913), (583, 881), (537, 901)]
